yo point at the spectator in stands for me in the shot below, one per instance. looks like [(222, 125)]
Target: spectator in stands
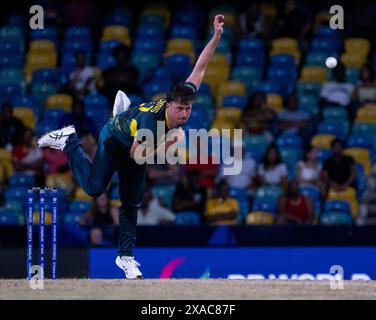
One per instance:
[(292, 120), (204, 163), (294, 208), (89, 144), (189, 195), (152, 212), (11, 128), (308, 170), (100, 218), (366, 90), (123, 76), (243, 180), (339, 170), (82, 79), (79, 119), (164, 174), (252, 22), (337, 92), (55, 160), (27, 157), (79, 13), (271, 170), (293, 21), (221, 209), (257, 117)]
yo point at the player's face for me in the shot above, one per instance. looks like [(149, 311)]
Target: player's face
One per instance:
[(179, 113)]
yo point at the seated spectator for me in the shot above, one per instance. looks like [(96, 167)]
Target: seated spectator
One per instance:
[(79, 119), (164, 174), (221, 209), (100, 218), (292, 120), (123, 76), (271, 170), (89, 144), (366, 90), (293, 21), (308, 170), (79, 12), (294, 208), (82, 79), (205, 164), (152, 212), (339, 170), (243, 180), (56, 160), (27, 157), (337, 92), (257, 117), (252, 22), (189, 195), (11, 128)]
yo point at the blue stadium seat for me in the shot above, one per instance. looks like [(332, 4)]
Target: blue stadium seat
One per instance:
[(107, 46), (15, 20), (250, 60), (251, 45), (307, 87), (12, 76), (16, 193), (309, 102), (282, 60), (11, 33), (105, 60), (336, 128), (16, 61), (153, 88), (290, 157), (335, 114), (183, 31), (187, 218), (289, 140), (236, 101), (72, 218), (12, 47), (337, 205), (10, 218), (152, 20), (150, 46), (79, 206), (146, 62), (9, 91), (316, 59), (364, 128), (314, 194), (150, 31), (53, 114), (70, 47), (268, 86), (363, 141), (336, 218), (268, 193), (22, 180), (322, 155), (46, 126), (323, 45), (77, 33), (361, 179), (50, 75), (96, 101), (264, 206), (25, 101), (47, 33), (352, 75), (179, 66), (255, 145), (122, 18), (165, 192)]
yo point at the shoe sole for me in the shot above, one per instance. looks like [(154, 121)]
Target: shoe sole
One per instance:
[(137, 278)]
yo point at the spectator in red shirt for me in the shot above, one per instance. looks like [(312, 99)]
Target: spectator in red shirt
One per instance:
[(207, 168), (294, 208), (56, 160)]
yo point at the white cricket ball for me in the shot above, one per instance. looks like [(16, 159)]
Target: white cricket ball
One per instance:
[(331, 62)]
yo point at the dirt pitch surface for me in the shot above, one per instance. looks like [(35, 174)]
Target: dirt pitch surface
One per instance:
[(190, 289)]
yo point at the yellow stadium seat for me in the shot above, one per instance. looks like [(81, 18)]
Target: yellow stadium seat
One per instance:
[(259, 217), (60, 180), (229, 114), (98, 77), (61, 101), (221, 124), (362, 156), (47, 218), (314, 74), (353, 60), (274, 101), (322, 141), (284, 45), (26, 115), (46, 46), (80, 194), (268, 9), (230, 88), (219, 59), (348, 195), (117, 32), (358, 46), (214, 76), (160, 10), (366, 113), (180, 45), (39, 60)]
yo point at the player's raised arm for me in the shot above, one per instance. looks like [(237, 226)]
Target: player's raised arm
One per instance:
[(198, 72)]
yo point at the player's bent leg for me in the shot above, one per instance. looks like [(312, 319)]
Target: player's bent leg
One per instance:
[(94, 176)]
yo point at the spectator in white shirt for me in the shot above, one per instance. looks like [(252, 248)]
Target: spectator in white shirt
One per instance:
[(337, 92), (272, 171), (82, 79), (308, 171), (152, 212)]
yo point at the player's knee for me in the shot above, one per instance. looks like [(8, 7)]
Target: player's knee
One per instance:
[(94, 191)]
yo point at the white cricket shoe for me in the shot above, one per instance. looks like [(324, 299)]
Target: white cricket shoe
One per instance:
[(56, 139), (121, 103), (130, 266)]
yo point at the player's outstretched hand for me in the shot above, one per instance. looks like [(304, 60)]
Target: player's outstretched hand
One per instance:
[(218, 24)]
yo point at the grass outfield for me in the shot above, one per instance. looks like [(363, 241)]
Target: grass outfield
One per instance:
[(191, 289)]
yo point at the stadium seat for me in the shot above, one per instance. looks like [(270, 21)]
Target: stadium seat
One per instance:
[(335, 128), (361, 156), (336, 218), (358, 45), (259, 218), (338, 205), (280, 60), (335, 114), (314, 194), (255, 145), (117, 32), (60, 180), (307, 87), (47, 33), (322, 141), (21, 180), (314, 74), (26, 115), (164, 192), (265, 207), (77, 33), (235, 101), (60, 100), (352, 60), (79, 206), (256, 60), (11, 33), (11, 76), (80, 194), (348, 195), (230, 88), (284, 45), (187, 218), (289, 140), (42, 46)]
